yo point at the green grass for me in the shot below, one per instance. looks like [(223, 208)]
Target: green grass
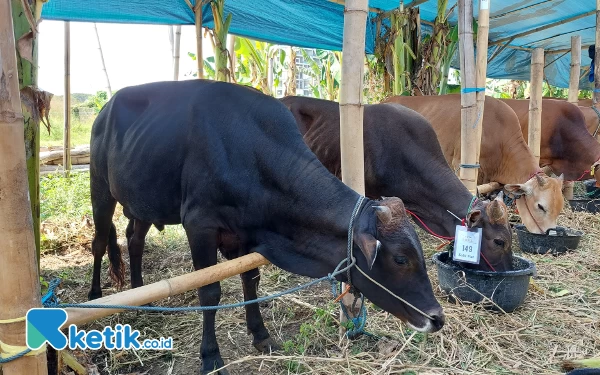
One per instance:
[(65, 198)]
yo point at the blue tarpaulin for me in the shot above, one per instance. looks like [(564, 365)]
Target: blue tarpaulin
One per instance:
[(319, 24)]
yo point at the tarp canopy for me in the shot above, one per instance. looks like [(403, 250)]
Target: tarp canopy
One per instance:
[(515, 24)]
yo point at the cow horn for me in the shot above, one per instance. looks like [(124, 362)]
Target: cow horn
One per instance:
[(497, 213), (500, 196), (384, 214), (541, 181)]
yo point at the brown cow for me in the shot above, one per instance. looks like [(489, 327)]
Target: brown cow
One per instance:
[(505, 157), (566, 145), (403, 158)]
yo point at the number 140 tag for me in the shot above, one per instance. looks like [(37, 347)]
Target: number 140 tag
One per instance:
[(467, 245)]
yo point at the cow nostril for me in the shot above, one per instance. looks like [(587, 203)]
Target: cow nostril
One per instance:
[(438, 321)]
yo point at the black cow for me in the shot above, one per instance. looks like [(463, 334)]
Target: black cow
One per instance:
[(230, 164), (404, 159)]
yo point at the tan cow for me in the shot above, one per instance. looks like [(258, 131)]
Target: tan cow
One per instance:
[(505, 157), (566, 145)]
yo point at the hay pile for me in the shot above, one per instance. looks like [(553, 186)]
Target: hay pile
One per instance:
[(560, 319)]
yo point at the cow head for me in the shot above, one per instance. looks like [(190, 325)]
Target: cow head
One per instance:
[(391, 254), (540, 203), (496, 241)]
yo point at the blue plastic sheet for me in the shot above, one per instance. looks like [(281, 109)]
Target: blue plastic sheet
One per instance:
[(319, 24)]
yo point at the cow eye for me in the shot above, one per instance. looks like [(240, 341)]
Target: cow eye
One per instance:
[(400, 260), (541, 207), (499, 242)]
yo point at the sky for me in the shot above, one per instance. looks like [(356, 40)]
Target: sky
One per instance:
[(134, 54)]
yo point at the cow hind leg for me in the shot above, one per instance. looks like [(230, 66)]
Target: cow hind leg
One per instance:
[(262, 340), (203, 244), (103, 206), (136, 245)]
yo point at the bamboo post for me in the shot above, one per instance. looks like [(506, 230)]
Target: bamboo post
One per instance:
[(535, 102), (165, 288), (597, 57), (19, 277), (67, 101), (351, 105), (176, 52), (108, 88), (231, 49), (198, 21), (575, 69), (483, 31), (468, 146), (573, 95)]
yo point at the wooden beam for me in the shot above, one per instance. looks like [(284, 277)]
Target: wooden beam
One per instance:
[(483, 32), (176, 52), (165, 288), (542, 28), (535, 102), (19, 278), (575, 69), (67, 101), (597, 57), (351, 105), (198, 21), (468, 144)]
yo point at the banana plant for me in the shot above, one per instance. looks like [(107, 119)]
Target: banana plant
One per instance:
[(257, 61), (219, 35), (326, 70)]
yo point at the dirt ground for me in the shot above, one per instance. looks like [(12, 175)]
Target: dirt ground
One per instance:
[(559, 320)]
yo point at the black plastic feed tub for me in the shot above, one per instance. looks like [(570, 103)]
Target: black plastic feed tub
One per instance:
[(494, 290), (555, 241), (585, 204)]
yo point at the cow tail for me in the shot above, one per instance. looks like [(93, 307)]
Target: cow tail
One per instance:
[(116, 269)]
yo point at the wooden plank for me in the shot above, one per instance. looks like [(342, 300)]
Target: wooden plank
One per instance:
[(468, 144), (19, 276), (165, 288), (535, 102)]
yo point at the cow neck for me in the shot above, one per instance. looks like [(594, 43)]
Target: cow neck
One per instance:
[(517, 164)]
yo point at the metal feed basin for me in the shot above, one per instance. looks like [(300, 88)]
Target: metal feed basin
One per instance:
[(556, 241), (500, 291)]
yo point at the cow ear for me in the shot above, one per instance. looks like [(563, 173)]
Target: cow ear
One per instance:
[(474, 218), (518, 189), (369, 246)]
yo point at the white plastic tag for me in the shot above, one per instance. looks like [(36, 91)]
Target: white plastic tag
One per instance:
[(467, 245), (485, 4)]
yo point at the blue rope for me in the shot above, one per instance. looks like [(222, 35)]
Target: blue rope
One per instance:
[(471, 166), (16, 356), (359, 322), (468, 90)]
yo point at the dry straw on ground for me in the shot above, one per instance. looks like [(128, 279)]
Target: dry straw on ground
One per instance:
[(560, 319)]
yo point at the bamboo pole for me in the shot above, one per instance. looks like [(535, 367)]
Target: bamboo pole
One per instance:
[(67, 101), (108, 88), (468, 145), (488, 188), (231, 49), (19, 279), (198, 21), (483, 31), (597, 57), (165, 288), (535, 102), (176, 52), (575, 69), (351, 105), (573, 95)]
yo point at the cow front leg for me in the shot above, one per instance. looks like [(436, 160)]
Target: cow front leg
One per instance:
[(262, 340), (203, 244)]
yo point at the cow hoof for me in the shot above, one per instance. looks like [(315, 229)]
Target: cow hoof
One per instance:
[(267, 345), (94, 295), (208, 367)]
